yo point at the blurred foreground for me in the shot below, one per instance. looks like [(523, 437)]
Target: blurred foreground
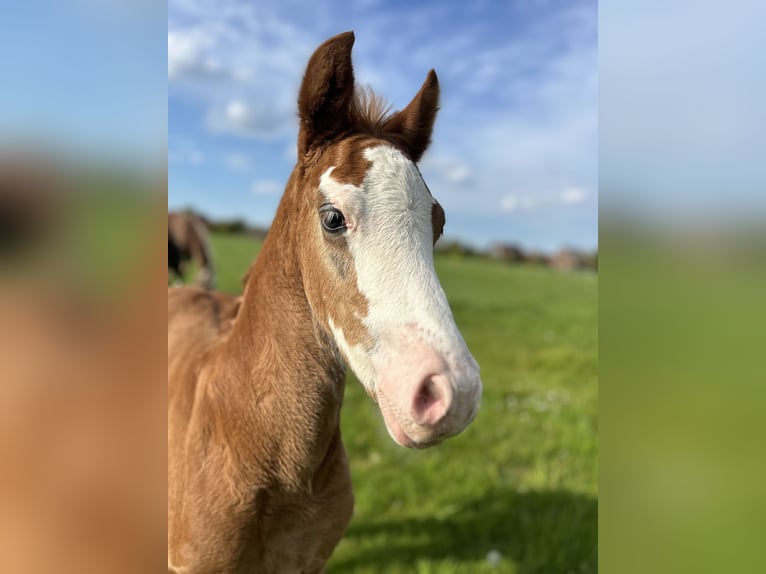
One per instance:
[(82, 365), (682, 391), (682, 283)]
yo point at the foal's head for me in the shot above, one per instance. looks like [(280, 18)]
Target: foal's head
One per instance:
[(365, 240)]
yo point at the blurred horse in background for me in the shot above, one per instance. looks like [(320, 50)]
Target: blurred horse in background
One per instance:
[(188, 242)]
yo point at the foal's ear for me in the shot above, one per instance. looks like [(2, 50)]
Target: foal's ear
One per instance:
[(326, 92), (414, 124)]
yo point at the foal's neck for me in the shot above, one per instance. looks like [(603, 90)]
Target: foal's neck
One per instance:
[(285, 368)]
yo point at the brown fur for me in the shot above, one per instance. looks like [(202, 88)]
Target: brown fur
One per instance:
[(257, 475)]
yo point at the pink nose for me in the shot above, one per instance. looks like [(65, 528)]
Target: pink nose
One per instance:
[(432, 401)]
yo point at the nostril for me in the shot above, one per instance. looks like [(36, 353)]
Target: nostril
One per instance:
[(431, 401)]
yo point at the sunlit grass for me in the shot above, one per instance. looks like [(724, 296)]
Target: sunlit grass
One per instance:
[(517, 491)]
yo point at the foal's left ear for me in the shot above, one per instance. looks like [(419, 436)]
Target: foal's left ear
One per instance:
[(415, 123)]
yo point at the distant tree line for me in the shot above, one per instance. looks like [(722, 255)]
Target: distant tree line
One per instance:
[(237, 226), (565, 259)]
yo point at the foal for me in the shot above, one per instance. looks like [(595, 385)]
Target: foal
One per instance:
[(257, 475)]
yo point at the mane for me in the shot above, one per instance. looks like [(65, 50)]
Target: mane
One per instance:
[(371, 115), (369, 112)]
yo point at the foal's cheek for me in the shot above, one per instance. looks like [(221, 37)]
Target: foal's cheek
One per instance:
[(314, 279), (343, 265)]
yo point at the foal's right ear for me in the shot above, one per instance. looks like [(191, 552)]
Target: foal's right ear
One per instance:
[(326, 92)]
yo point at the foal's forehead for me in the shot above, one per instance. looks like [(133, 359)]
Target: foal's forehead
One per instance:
[(369, 165)]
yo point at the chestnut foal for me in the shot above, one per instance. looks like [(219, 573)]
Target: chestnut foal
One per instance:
[(257, 475)]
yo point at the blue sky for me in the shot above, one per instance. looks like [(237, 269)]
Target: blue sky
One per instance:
[(85, 78), (515, 147), (514, 154), (682, 116)]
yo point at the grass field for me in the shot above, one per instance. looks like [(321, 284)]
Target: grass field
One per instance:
[(517, 491)]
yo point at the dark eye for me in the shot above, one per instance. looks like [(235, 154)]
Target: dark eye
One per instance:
[(332, 219)]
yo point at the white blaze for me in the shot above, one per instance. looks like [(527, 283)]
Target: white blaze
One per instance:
[(390, 239)]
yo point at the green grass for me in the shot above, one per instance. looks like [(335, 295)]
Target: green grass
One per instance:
[(517, 491)]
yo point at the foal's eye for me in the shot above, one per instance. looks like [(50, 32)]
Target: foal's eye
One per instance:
[(332, 219)]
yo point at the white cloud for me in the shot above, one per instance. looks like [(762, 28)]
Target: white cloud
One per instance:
[(526, 202), (458, 173), (237, 111), (518, 202), (187, 55), (446, 170), (237, 161), (572, 195), (240, 66), (266, 187), (243, 119)]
